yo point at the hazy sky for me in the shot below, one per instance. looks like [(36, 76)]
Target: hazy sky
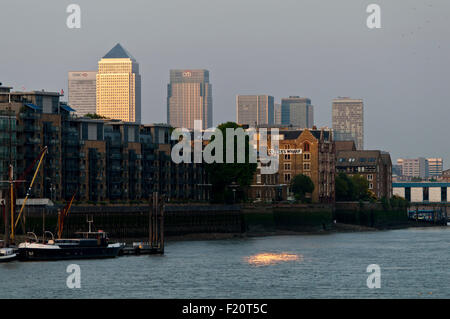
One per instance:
[(319, 49)]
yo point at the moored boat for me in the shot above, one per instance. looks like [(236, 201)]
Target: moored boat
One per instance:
[(92, 245), (7, 254)]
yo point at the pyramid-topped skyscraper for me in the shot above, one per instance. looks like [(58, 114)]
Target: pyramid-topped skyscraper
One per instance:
[(119, 86)]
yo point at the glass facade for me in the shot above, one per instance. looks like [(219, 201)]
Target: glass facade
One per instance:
[(297, 111), (189, 98)]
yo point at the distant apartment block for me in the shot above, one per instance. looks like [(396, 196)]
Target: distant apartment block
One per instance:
[(255, 110), (414, 167), (435, 167), (297, 112), (97, 160), (119, 86), (82, 91), (375, 166), (348, 120), (189, 98)]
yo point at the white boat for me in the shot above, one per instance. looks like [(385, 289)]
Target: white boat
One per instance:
[(7, 254)]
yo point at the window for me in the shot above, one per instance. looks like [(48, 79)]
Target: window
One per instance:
[(287, 156), (370, 185), (306, 156), (306, 166), (306, 147), (287, 177), (369, 177), (287, 166), (258, 179)]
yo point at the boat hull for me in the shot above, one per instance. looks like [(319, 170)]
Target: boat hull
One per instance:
[(5, 259), (31, 254)]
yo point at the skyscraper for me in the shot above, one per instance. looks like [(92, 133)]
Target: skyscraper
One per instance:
[(254, 109), (297, 111), (277, 114), (119, 86), (82, 91), (189, 98), (348, 120)]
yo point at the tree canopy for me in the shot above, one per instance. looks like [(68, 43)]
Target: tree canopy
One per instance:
[(354, 188), (95, 116), (301, 185), (229, 180)]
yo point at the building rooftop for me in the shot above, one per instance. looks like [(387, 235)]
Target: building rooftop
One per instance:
[(118, 52)]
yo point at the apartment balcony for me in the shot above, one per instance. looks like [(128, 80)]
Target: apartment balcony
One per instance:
[(28, 116)]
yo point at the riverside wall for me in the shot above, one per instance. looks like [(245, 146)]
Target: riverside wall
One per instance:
[(370, 214), (122, 222)]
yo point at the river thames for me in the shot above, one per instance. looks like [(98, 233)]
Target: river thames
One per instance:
[(414, 262)]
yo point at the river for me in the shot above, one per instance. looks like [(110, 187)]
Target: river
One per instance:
[(414, 263)]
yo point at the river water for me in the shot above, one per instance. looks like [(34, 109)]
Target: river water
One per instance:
[(414, 263)]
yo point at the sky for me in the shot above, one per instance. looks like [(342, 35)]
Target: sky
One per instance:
[(319, 49)]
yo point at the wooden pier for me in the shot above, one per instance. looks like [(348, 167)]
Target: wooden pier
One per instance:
[(155, 244)]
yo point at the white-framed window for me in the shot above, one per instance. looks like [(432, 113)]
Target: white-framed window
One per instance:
[(306, 166), (287, 177), (306, 156), (287, 166), (370, 177)]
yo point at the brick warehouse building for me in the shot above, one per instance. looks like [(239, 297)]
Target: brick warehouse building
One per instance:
[(312, 153), (98, 159)]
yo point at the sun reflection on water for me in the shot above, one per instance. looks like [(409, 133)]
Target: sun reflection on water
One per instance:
[(265, 259)]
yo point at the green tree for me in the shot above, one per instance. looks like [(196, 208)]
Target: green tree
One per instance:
[(301, 185), (95, 116), (361, 191), (230, 180), (355, 188)]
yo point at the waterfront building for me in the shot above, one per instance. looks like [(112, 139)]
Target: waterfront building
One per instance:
[(297, 112), (118, 86), (423, 192), (435, 167), (189, 98), (348, 120), (414, 167), (82, 91), (308, 152), (98, 160), (254, 110), (375, 166)]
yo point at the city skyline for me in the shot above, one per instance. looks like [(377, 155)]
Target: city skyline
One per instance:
[(384, 59)]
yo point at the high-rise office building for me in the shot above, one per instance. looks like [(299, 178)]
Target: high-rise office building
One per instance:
[(189, 98), (435, 167), (119, 86), (297, 111), (255, 109), (82, 91), (348, 119), (277, 114)]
